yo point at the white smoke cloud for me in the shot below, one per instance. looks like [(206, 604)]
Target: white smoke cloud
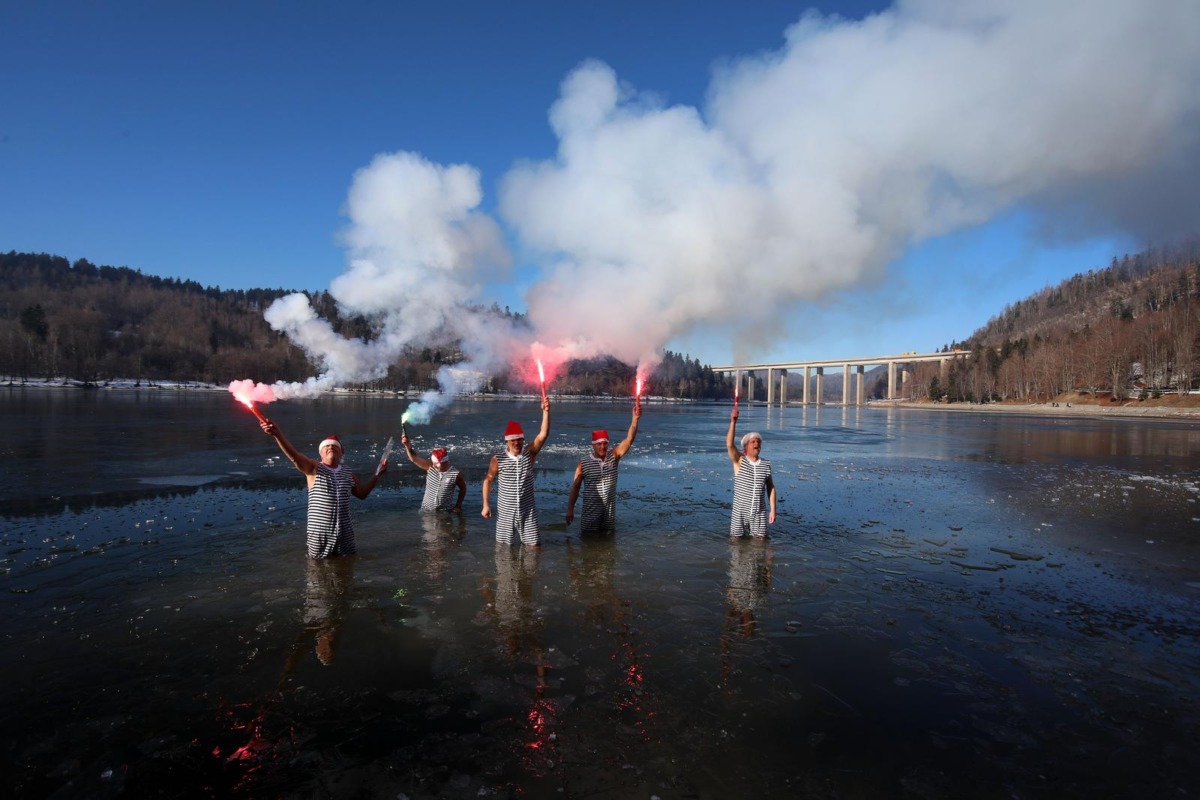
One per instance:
[(417, 248), (813, 167), (808, 170)]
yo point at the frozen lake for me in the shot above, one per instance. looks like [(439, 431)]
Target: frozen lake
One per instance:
[(950, 605)]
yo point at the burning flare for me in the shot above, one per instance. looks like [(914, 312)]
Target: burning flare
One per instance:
[(247, 392)]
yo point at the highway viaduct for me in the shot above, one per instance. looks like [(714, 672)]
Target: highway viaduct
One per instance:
[(897, 366)]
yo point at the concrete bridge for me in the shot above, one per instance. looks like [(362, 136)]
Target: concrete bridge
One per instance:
[(898, 366)]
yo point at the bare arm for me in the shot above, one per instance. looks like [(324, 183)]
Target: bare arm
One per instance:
[(423, 463), (300, 461), (735, 455), (540, 439), (575, 485), (361, 490), (627, 442), (461, 482), (493, 468), (771, 497)]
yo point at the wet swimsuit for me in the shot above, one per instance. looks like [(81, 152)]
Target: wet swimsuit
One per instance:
[(330, 531), (439, 489), (749, 492), (599, 493), (516, 510)]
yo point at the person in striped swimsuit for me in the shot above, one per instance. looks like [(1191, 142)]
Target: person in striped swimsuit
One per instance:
[(330, 483), (516, 508), (441, 479), (751, 484), (597, 475)]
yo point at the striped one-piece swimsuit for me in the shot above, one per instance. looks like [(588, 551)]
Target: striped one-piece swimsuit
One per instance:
[(330, 531), (439, 489), (749, 498), (599, 493), (516, 516)]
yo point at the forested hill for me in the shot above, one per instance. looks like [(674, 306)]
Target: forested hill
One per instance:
[(1129, 287), (96, 323), (1129, 329)]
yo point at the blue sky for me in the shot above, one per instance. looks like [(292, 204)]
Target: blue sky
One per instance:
[(219, 142)]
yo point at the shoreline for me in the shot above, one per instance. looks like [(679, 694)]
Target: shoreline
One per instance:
[(1066, 407), (1058, 409)]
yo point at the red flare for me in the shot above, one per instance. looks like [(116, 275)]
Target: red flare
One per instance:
[(250, 405), (541, 377)]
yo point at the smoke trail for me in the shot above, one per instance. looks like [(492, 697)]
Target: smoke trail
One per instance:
[(417, 248)]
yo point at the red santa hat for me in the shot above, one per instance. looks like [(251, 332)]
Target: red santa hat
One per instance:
[(438, 456), (599, 436), (333, 440), (513, 431)]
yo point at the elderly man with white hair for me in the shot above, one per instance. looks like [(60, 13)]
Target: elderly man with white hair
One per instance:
[(330, 484), (753, 487)]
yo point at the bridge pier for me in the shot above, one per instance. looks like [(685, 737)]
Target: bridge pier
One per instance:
[(820, 385), (860, 386), (807, 378), (845, 384)]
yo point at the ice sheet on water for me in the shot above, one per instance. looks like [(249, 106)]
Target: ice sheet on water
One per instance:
[(181, 480)]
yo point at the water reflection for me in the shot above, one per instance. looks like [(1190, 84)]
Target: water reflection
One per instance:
[(440, 532), (327, 587), (750, 561), (326, 598), (592, 565), (511, 602)]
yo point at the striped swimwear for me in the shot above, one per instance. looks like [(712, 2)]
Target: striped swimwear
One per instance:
[(599, 493), (749, 498), (516, 516), (439, 489), (330, 531)]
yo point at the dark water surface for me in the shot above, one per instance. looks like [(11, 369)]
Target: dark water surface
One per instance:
[(951, 605)]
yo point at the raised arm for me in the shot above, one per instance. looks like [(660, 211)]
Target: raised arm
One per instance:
[(540, 439), (300, 461), (735, 455), (575, 486), (493, 468), (422, 463), (627, 442)]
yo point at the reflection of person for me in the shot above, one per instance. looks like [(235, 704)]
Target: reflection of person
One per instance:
[(513, 605), (749, 581), (515, 501), (327, 588), (597, 474), (751, 482), (749, 584), (439, 531), (441, 479), (325, 600), (330, 484)]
